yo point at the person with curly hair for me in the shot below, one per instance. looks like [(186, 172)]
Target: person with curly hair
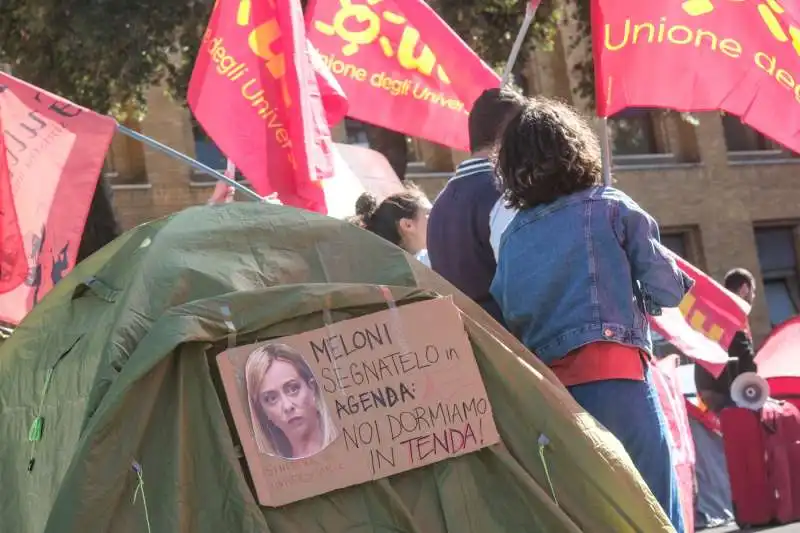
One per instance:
[(580, 266)]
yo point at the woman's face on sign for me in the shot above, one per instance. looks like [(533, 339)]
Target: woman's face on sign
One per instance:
[(288, 401)]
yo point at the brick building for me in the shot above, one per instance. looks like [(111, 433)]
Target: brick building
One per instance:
[(724, 195)]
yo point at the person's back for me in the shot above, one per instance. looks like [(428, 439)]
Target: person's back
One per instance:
[(458, 227), (579, 267), (580, 290)]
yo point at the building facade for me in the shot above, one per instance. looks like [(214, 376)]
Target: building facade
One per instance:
[(724, 195)]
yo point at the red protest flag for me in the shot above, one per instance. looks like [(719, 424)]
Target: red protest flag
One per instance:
[(334, 101), (13, 263), (55, 152), (704, 324), (401, 66), (254, 91), (702, 55)]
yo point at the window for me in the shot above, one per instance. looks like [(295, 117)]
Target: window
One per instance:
[(740, 137), (676, 242), (632, 133), (356, 132), (745, 144), (207, 152), (636, 139), (777, 255)]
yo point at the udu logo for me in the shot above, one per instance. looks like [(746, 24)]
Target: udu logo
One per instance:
[(769, 10), (358, 24)]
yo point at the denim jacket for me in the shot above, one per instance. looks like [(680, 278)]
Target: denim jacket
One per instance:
[(586, 268)]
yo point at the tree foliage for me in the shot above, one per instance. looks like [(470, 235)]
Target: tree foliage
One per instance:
[(105, 55), (97, 53), (489, 27)]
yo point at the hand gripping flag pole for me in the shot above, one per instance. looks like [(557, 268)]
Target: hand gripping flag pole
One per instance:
[(197, 165), (530, 12)]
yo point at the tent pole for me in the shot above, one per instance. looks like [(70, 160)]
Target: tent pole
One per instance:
[(197, 165), (605, 151), (530, 12)]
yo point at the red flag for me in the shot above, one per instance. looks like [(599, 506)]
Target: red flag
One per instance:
[(777, 357), (665, 377), (55, 151), (704, 324), (401, 66), (334, 101), (13, 264), (255, 93), (702, 55)]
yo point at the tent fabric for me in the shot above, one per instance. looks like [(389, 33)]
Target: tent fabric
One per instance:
[(714, 503), (129, 340)]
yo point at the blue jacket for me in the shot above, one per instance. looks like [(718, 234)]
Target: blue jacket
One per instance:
[(586, 268)]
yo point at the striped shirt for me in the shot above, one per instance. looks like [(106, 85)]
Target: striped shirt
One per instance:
[(458, 232)]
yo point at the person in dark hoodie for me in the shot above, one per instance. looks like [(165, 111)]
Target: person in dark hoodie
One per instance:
[(716, 392), (458, 226)]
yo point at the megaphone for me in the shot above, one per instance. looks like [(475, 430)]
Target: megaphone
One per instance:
[(749, 390)]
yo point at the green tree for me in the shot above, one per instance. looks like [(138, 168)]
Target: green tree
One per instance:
[(102, 55), (106, 55)]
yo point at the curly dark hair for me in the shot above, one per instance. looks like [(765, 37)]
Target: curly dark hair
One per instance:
[(547, 151)]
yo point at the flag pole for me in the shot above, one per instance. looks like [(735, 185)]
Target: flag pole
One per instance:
[(530, 12), (197, 165), (605, 151)]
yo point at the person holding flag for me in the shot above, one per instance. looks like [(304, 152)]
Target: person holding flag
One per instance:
[(580, 267)]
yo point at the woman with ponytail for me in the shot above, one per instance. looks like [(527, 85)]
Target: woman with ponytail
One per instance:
[(401, 219)]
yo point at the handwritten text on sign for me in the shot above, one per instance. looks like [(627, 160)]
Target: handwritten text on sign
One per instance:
[(397, 390)]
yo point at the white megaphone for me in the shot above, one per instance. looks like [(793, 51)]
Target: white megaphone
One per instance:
[(749, 390)]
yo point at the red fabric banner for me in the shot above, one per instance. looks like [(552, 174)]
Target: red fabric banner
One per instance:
[(55, 151), (704, 324), (778, 357), (334, 101), (254, 91), (704, 416), (702, 55), (401, 66), (13, 263), (665, 379)]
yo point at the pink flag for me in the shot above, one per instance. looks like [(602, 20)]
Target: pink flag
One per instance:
[(13, 266), (778, 356), (55, 151), (706, 321), (673, 404)]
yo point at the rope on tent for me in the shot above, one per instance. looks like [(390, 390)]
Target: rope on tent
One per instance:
[(543, 443), (37, 427), (137, 469), (226, 313)]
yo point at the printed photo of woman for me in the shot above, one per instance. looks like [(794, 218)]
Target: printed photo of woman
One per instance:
[(287, 410)]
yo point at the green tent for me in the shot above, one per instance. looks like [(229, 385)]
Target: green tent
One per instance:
[(118, 361)]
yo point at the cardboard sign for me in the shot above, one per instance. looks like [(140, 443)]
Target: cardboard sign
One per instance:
[(358, 400)]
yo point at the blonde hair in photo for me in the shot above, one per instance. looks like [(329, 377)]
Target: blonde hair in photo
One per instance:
[(268, 437)]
